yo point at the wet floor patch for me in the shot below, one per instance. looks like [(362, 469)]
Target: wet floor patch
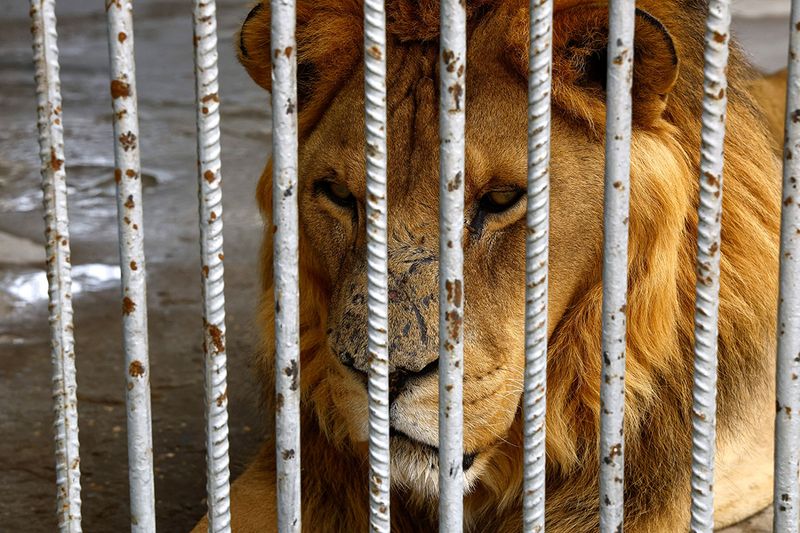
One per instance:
[(90, 188), (29, 287)]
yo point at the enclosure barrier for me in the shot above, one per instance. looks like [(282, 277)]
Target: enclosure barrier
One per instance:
[(209, 177), (453, 81), (377, 263), (786, 496), (622, 17)]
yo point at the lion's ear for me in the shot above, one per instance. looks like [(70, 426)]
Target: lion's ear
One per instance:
[(329, 36), (580, 44)]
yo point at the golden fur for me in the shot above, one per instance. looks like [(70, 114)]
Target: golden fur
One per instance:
[(663, 227)]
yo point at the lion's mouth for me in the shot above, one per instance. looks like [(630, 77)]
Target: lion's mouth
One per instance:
[(467, 461)]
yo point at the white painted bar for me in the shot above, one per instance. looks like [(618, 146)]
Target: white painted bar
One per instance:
[(209, 179), (704, 410), (622, 16), (452, 101), (132, 264), (285, 261), (59, 277)]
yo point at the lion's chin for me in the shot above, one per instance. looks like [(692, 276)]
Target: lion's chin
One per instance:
[(415, 467)]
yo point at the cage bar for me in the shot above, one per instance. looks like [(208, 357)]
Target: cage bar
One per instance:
[(537, 250), (377, 263), (452, 68), (285, 260), (704, 410), (132, 264), (787, 424), (59, 276), (622, 16), (209, 179)]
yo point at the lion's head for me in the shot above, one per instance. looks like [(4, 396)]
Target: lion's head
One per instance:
[(667, 91)]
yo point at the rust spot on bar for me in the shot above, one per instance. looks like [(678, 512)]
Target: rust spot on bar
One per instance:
[(128, 141), (457, 91), (209, 176), (720, 37), (221, 398), (454, 292), (129, 202), (712, 179), (55, 162), (375, 52), (205, 271), (454, 320), (117, 175), (455, 183), (121, 37), (134, 266), (136, 370), (216, 338), (120, 89), (130, 173), (213, 97), (128, 306), (292, 371), (288, 52)]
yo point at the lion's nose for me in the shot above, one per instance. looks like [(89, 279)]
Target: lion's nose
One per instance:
[(399, 379)]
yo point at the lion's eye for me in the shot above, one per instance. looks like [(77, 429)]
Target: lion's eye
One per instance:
[(501, 200), (335, 192)]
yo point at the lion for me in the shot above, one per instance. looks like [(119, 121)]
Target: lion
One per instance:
[(667, 98)]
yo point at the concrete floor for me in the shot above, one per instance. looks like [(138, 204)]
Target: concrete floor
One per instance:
[(166, 91)]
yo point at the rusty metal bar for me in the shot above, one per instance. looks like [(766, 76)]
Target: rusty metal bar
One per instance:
[(622, 17), (132, 264), (787, 424), (704, 411), (537, 249), (285, 259), (209, 179), (377, 263), (54, 189), (452, 99)]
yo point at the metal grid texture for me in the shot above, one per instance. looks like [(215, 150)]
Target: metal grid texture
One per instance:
[(622, 17), (787, 424), (132, 264), (704, 416), (453, 55), (452, 68), (285, 260), (54, 188), (537, 249), (377, 263), (212, 267)]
